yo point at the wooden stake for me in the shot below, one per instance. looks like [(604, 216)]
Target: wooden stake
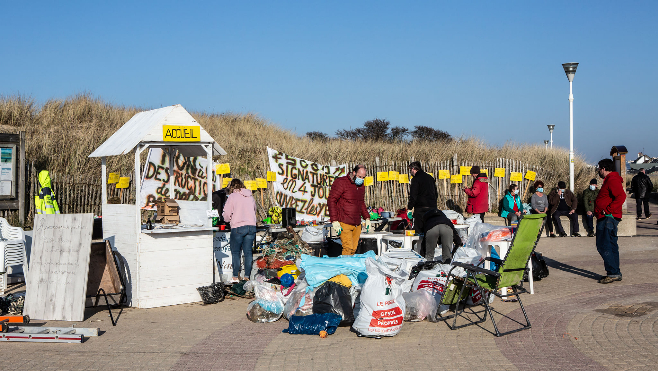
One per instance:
[(526, 190)]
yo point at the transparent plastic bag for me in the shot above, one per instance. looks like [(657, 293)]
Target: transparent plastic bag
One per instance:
[(267, 307), (419, 306), (300, 300)]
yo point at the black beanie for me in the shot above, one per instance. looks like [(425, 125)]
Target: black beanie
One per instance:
[(593, 181), (561, 184)]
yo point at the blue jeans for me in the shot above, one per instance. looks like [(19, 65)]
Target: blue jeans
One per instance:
[(590, 222), (606, 244), (242, 240)]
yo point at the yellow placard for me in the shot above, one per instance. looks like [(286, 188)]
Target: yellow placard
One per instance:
[(499, 172), (444, 174), (465, 170), (180, 133), (226, 182), (530, 175), (456, 179), (271, 176), (221, 169), (393, 175), (516, 177), (486, 171), (251, 185), (403, 178), (124, 182), (113, 178), (382, 176), (261, 182), (368, 181), (431, 174)]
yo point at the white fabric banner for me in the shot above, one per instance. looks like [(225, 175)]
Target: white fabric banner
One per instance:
[(303, 185)]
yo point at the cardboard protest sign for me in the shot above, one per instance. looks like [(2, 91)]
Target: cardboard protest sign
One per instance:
[(303, 184), (189, 178)]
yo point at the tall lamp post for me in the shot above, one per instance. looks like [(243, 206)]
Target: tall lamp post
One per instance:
[(550, 130), (546, 143), (570, 70)]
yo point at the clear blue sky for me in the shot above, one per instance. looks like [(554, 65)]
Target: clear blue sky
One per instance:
[(491, 69)]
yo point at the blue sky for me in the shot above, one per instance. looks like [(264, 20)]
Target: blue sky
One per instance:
[(490, 69)]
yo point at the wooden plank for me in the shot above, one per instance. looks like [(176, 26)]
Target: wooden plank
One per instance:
[(57, 279)]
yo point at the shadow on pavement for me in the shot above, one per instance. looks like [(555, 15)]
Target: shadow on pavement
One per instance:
[(571, 269)]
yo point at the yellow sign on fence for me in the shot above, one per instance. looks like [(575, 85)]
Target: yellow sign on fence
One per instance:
[(431, 174), (499, 172), (251, 185), (403, 178), (382, 176), (456, 179), (124, 182), (444, 174), (113, 178), (530, 175), (261, 182), (393, 175), (179, 133), (221, 169), (226, 182), (271, 176), (486, 171), (368, 181), (516, 177), (465, 170)]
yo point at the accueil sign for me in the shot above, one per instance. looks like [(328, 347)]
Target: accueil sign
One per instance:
[(179, 133)]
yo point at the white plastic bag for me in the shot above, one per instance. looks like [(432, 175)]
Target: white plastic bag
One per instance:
[(312, 234), (453, 215), (433, 281), (267, 307), (419, 305), (382, 305), (300, 300)]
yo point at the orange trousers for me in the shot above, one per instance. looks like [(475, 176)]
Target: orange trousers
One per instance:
[(350, 238)]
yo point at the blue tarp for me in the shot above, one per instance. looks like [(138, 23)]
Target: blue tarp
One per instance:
[(319, 270)]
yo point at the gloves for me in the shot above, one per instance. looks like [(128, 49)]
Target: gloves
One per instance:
[(368, 226), (410, 215), (336, 227)]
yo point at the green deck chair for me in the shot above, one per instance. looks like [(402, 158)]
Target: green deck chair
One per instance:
[(509, 274)]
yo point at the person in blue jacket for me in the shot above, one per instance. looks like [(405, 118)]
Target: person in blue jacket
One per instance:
[(512, 206)]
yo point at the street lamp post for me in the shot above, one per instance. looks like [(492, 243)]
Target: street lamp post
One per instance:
[(570, 70), (546, 143), (550, 129)]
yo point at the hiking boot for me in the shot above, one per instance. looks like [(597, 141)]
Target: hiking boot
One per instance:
[(575, 234), (610, 279), (590, 234)]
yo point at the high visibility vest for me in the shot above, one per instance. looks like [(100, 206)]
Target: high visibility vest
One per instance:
[(45, 202)]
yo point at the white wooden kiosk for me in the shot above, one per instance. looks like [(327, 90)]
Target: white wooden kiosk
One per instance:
[(163, 266)]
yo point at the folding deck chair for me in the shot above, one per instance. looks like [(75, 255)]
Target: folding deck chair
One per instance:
[(509, 274)]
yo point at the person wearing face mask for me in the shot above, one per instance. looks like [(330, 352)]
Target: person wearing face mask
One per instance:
[(347, 206), (589, 196), (478, 194), (512, 206), (563, 202), (422, 194)]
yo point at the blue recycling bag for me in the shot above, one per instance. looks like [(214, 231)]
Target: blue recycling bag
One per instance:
[(313, 324), (318, 270)]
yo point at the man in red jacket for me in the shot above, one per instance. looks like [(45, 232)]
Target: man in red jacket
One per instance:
[(346, 207), (478, 194), (607, 209)]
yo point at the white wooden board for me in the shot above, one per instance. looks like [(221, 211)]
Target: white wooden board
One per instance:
[(59, 266)]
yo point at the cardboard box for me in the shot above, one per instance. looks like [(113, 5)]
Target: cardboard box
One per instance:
[(168, 219), (166, 207)]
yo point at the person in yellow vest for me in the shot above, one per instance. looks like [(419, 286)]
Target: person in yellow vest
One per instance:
[(45, 202)]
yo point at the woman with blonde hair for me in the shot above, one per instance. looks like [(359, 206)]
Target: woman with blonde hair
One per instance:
[(240, 212)]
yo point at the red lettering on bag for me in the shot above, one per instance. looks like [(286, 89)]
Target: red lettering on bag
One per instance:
[(431, 286), (388, 322), (391, 312)]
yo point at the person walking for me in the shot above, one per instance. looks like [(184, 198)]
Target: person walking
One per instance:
[(347, 206), (589, 197), (608, 213), (539, 204), (240, 212), (564, 202), (422, 194), (478, 194), (641, 186), (438, 227), (512, 206)]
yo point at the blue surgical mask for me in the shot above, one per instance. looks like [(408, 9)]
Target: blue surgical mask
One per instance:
[(358, 181), (516, 191), (592, 187), (540, 189)]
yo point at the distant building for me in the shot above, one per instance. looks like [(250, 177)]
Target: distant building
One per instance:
[(644, 162)]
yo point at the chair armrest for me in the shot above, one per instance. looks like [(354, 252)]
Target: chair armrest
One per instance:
[(495, 260), (472, 268)]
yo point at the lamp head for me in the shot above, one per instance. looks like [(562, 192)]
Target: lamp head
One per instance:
[(545, 141), (551, 127), (570, 70)]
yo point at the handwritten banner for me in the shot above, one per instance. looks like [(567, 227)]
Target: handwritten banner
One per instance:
[(303, 184)]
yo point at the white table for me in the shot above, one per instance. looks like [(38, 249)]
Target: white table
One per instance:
[(503, 247), (407, 241), (376, 236)]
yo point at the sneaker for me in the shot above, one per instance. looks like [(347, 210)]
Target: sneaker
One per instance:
[(590, 234), (648, 216), (638, 218), (610, 279), (576, 234), (234, 280), (563, 234)]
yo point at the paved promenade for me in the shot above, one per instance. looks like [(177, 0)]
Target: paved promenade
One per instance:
[(577, 324)]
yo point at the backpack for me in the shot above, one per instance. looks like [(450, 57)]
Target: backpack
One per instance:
[(539, 267)]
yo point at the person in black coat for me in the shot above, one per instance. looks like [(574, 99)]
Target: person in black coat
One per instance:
[(641, 186), (422, 194), (438, 227)]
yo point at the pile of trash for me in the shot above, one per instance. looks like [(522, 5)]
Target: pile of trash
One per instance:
[(287, 248), (12, 304)]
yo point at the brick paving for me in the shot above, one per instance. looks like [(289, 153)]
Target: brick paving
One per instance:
[(570, 329)]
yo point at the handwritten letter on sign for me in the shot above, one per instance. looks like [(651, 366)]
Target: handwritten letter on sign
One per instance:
[(59, 265), (303, 184)]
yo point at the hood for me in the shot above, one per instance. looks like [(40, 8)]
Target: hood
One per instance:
[(44, 179), (482, 177), (612, 176), (244, 192)]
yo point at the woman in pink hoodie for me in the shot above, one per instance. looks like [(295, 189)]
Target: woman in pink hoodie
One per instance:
[(240, 212)]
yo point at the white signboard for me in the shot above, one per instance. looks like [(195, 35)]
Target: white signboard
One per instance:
[(303, 185)]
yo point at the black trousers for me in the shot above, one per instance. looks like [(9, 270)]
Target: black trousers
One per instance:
[(639, 202), (419, 212), (573, 220)]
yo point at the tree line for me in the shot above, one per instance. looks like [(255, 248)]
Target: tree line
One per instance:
[(379, 130)]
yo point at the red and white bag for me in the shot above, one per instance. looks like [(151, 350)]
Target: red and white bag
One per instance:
[(382, 304), (433, 281)]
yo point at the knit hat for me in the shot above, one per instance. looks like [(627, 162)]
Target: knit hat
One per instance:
[(593, 181), (475, 170), (561, 185)]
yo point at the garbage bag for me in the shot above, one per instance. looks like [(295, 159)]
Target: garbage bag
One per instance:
[(382, 305), (319, 270), (419, 305), (313, 324), (267, 307), (332, 297), (433, 281), (300, 300)]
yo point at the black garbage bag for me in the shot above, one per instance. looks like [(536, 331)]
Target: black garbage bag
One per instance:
[(313, 324), (332, 297)]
